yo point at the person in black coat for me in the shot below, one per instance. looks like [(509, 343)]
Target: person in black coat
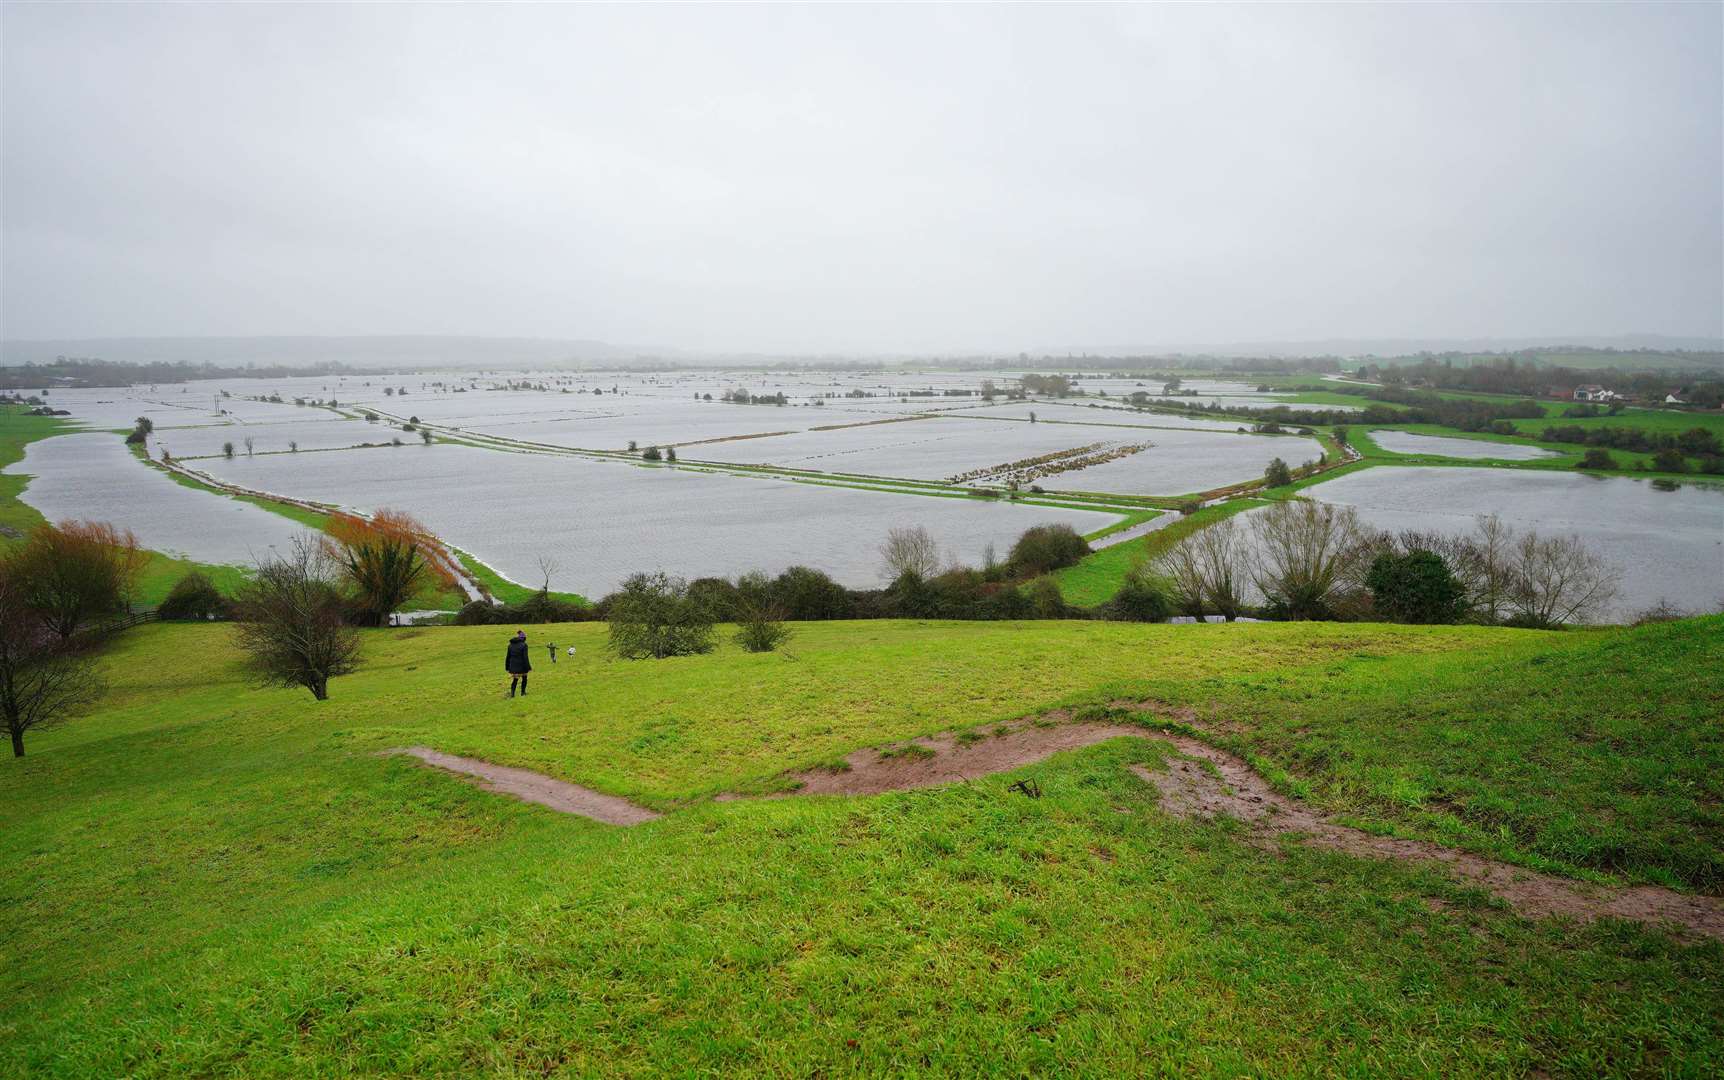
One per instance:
[(515, 662)]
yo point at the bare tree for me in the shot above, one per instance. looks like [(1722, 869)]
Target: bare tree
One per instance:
[(248, 446), (290, 621), (1223, 565), (1560, 580), (43, 679), (1493, 583), (909, 551), (70, 573), (1305, 551), (1179, 565), (548, 568)]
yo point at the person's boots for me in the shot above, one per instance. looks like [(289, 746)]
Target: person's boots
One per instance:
[(512, 687), (523, 686)]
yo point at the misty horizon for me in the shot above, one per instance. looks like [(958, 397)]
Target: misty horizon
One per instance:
[(896, 182)]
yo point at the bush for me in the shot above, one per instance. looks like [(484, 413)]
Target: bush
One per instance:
[(1142, 597), (1046, 600), (1417, 587), (1597, 458), (806, 594), (723, 599), (762, 628), (651, 453), (193, 596), (1669, 461), (653, 616), (1277, 474), (911, 597), (1046, 548), (539, 608)]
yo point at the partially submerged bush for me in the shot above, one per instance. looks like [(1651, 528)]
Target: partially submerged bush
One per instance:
[(193, 596), (1045, 548), (654, 616)]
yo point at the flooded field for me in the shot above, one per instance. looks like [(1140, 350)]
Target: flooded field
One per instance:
[(92, 476), (1407, 442), (604, 520), (1668, 545)]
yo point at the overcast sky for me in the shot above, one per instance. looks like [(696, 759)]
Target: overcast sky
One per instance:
[(864, 179)]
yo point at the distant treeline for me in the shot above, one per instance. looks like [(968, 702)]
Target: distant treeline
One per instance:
[(1509, 376), (79, 371), (1697, 442), (1398, 406)]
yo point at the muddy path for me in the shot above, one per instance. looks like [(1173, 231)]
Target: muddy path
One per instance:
[(949, 758), (529, 786), (1202, 782), (1207, 782)]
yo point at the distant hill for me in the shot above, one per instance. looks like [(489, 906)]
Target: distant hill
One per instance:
[(1556, 345), (417, 350)]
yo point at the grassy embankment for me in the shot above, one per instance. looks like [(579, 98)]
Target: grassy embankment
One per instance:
[(214, 878)]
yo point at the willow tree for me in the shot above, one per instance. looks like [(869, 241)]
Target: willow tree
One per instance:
[(386, 560), (74, 572)]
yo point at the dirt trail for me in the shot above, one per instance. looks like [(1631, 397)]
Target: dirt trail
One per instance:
[(947, 759), (1188, 789), (538, 788)]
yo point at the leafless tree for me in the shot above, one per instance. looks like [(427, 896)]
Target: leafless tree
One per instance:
[(1493, 581), (1306, 551), (289, 621), (1560, 580), (1180, 566), (548, 568), (44, 679), (909, 551), (1209, 570), (248, 446)]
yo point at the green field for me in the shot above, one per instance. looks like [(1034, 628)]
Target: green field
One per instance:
[(211, 878)]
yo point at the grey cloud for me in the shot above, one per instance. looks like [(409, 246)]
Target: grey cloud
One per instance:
[(864, 178)]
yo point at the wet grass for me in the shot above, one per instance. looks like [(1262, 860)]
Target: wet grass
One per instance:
[(1098, 577), (204, 877)]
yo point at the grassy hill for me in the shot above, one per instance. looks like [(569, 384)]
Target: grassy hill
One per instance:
[(204, 877)]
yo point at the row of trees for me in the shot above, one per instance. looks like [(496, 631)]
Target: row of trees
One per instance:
[(1308, 560), (1696, 441)]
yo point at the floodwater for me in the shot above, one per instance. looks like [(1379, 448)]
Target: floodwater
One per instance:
[(92, 476), (1669, 545), (1408, 442), (604, 520)]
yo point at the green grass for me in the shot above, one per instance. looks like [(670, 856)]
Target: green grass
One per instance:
[(505, 590), (1095, 580), (209, 878), (1631, 463), (16, 432)]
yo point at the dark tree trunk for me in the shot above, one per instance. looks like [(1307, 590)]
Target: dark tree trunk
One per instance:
[(17, 742), (320, 689)]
